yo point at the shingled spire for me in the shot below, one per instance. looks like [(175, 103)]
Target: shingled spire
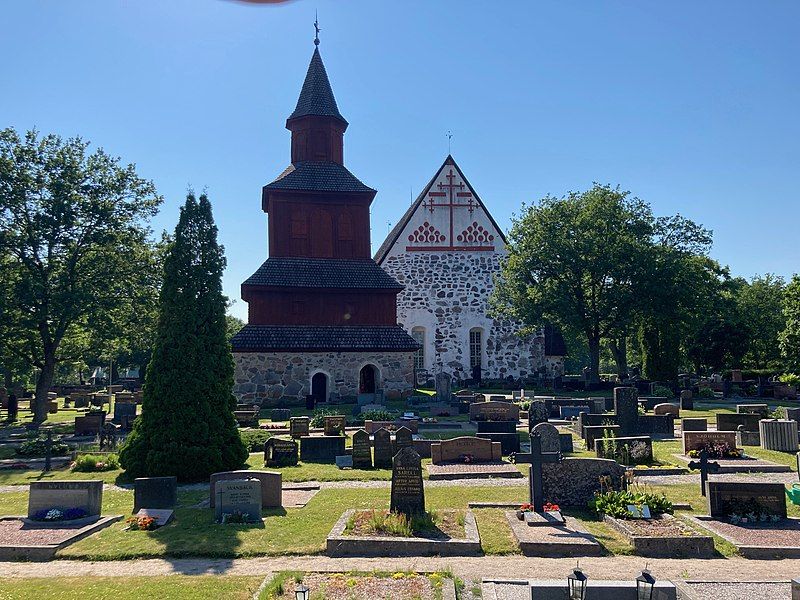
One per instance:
[(316, 97)]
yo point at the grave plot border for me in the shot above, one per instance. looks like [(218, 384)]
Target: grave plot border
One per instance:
[(683, 546), (588, 547), (748, 551), (746, 464), (46, 552), (339, 545)]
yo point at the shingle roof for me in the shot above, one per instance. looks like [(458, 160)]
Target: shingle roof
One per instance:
[(309, 338), (322, 273), (318, 177), (316, 97)]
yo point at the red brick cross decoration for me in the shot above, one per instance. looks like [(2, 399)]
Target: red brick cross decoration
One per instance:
[(453, 193)]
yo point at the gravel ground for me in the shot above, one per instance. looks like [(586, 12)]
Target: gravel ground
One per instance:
[(738, 591), (785, 478)]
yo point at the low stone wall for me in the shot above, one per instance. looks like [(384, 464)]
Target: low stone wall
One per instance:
[(574, 481)]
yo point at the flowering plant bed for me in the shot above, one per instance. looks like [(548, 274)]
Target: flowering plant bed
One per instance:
[(663, 536), (57, 514), (141, 524), (721, 450)]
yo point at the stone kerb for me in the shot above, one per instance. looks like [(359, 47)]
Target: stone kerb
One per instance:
[(481, 450), (271, 485)]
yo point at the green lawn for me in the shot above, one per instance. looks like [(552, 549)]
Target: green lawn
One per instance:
[(173, 587)]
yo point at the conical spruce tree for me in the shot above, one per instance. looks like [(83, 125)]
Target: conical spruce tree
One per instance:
[(187, 426)]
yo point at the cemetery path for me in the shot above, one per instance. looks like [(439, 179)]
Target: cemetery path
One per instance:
[(468, 568), (785, 478)]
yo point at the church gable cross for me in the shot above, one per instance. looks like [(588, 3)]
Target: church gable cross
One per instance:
[(453, 192)]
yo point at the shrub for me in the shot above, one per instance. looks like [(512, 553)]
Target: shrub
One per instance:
[(35, 445), (318, 417), (615, 503), (254, 439), (705, 393), (89, 463), (662, 391), (790, 379)]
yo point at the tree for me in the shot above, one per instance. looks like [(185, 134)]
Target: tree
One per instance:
[(232, 325), (577, 262), (69, 223), (759, 304), (187, 427), (790, 336)]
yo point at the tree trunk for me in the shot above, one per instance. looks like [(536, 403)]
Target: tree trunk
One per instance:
[(619, 348), (43, 384), (594, 359)]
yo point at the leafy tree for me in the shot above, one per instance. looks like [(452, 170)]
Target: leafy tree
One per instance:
[(759, 304), (790, 336), (577, 262), (232, 325), (187, 426), (69, 223)]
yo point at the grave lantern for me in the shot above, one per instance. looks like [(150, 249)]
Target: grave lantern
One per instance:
[(301, 592), (644, 585), (576, 584)]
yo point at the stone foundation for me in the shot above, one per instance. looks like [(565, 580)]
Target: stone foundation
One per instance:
[(284, 378)]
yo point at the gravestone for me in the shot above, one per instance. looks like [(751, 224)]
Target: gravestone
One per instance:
[(322, 449), (571, 412), (280, 414), (549, 437), (626, 450), (694, 424), (626, 405), (90, 424), (299, 427), (238, 496), (537, 413), (497, 426), (443, 382), (64, 495), (403, 439), (494, 411), (408, 493), (747, 438), (453, 450), (161, 516), (753, 409), (334, 425), (280, 453), (593, 432), (687, 400), (535, 476), (271, 485), (667, 408), (779, 435), (565, 442), (345, 461), (362, 453), (382, 441), (123, 410), (697, 440), (731, 421), (154, 492), (791, 414), (728, 497), (509, 442)]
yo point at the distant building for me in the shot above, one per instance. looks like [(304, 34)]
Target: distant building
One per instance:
[(322, 315), (445, 251)]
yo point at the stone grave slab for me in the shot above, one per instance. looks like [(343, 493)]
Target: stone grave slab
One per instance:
[(509, 442), (155, 492), (64, 495), (362, 451), (280, 453), (162, 516), (238, 495), (407, 492), (451, 471), (746, 464), (571, 539), (727, 497), (271, 485), (24, 540), (755, 409), (764, 541), (321, 449)]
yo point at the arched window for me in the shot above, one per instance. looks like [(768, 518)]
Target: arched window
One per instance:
[(475, 347), (418, 333)]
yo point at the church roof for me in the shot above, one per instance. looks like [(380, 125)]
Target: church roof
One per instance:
[(311, 338), (394, 234), (316, 97), (311, 176), (286, 271)]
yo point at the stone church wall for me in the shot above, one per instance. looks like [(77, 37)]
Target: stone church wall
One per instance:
[(447, 293), (284, 378)]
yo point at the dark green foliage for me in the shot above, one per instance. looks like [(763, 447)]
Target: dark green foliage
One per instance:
[(36, 445), (615, 504), (187, 428), (254, 439), (790, 336)]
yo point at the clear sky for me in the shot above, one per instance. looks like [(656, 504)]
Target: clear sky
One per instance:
[(693, 106)]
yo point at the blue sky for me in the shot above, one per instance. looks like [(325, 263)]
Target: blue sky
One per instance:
[(693, 106)]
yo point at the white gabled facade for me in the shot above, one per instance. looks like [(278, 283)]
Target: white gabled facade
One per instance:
[(446, 250)]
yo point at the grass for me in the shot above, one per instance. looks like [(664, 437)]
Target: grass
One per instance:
[(172, 587)]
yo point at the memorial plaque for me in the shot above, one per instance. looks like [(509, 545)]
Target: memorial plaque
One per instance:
[(280, 453), (238, 496), (323, 449), (382, 440), (362, 452), (334, 425), (408, 493), (740, 497), (299, 427), (697, 440), (162, 516), (403, 438), (154, 492), (65, 495)]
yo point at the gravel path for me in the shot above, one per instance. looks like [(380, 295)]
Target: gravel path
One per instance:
[(785, 478), (737, 591)]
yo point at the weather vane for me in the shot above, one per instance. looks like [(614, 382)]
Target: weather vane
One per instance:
[(316, 28), (449, 138)]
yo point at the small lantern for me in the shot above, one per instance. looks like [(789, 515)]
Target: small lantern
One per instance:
[(644, 585), (301, 592), (576, 584)]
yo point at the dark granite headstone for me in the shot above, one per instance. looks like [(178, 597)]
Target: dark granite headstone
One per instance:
[(694, 424), (731, 421), (323, 449), (238, 496), (740, 497), (497, 426), (403, 438), (280, 453), (154, 492), (382, 441), (123, 410), (408, 493), (791, 414), (280, 414), (537, 413), (549, 437), (362, 453), (565, 442), (626, 406), (299, 427), (509, 442)]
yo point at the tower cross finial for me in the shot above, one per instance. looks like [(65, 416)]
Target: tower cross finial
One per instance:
[(316, 29), (449, 140)]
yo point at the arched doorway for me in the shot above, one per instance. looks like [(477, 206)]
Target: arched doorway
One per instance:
[(319, 387), (368, 380)]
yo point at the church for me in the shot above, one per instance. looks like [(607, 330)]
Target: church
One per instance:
[(322, 315), (445, 251)]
